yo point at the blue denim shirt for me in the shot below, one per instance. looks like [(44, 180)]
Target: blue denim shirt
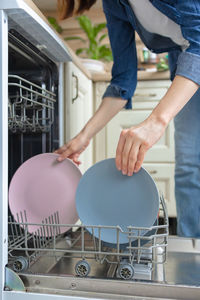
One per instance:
[(122, 24)]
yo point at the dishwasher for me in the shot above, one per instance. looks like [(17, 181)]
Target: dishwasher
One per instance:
[(65, 261)]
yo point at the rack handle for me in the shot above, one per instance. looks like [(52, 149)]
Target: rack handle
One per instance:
[(76, 77)]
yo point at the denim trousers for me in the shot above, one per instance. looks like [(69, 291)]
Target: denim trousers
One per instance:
[(187, 168)]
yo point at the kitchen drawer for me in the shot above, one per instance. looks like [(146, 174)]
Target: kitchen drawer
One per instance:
[(146, 96), (162, 151), (163, 174), (149, 93)]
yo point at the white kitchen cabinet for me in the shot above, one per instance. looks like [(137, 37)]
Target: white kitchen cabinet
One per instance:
[(78, 108), (160, 158), (163, 174)]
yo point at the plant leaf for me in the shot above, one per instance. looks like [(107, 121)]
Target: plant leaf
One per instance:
[(74, 38), (105, 53), (51, 20), (55, 24), (104, 48), (86, 25), (81, 50), (98, 28), (102, 37)]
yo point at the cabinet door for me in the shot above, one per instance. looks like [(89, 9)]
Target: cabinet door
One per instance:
[(162, 151), (79, 108), (163, 174)]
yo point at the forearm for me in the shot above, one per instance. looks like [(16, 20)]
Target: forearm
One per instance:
[(135, 142), (180, 92), (106, 111)]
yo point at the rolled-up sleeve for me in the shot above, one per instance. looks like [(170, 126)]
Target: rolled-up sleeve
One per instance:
[(188, 64), (124, 70)]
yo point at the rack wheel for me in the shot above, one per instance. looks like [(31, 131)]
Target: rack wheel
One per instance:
[(125, 271), (20, 264), (82, 268)]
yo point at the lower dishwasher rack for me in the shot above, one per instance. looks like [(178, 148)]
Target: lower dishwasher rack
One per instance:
[(78, 252), (79, 266)]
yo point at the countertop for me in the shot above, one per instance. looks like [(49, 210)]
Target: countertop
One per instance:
[(142, 75), (96, 77)]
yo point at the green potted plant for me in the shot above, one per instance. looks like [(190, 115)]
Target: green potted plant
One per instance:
[(96, 53)]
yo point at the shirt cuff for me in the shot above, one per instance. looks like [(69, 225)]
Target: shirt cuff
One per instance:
[(188, 66), (116, 91)]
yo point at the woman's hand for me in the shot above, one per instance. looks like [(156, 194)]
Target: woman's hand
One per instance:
[(134, 143), (73, 148), (106, 111)]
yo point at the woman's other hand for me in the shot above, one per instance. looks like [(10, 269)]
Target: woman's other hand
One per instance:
[(73, 148), (134, 143)]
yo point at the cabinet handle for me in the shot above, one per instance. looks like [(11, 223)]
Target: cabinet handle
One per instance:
[(146, 95), (76, 77), (153, 172)]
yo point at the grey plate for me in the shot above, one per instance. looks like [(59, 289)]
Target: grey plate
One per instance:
[(106, 197)]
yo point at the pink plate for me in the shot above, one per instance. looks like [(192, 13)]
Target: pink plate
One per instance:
[(42, 186)]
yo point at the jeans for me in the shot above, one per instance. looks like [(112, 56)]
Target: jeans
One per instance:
[(187, 168)]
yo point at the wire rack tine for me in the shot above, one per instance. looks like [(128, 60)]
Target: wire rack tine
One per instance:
[(55, 221), (16, 231), (47, 228), (58, 222), (20, 229), (12, 230), (44, 234), (50, 227)]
